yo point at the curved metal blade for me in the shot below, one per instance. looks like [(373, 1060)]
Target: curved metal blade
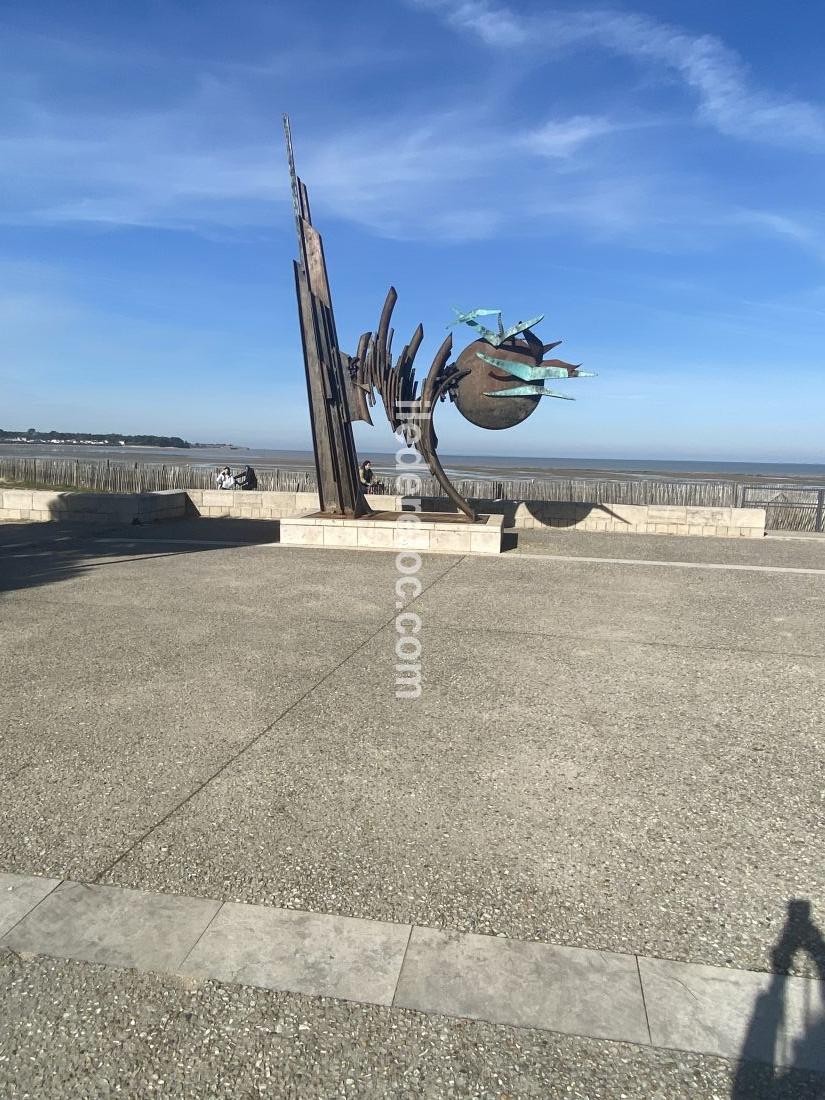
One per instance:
[(521, 326), (528, 391)]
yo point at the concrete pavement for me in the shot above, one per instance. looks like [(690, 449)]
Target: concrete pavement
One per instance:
[(608, 757)]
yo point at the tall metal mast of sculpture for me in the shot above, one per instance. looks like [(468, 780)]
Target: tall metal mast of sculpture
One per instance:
[(496, 381), (336, 463)]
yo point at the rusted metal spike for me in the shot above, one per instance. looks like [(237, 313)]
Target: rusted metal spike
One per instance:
[(439, 362), (415, 343)]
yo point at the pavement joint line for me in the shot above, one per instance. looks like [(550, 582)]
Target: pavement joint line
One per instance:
[(203, 932), (709, 1010), (259, 736), (592, 639), (401, 967), (57, 882), (809, 536), (644, 1002), (667, 564)]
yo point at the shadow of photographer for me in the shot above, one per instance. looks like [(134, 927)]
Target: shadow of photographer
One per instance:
[(794, 1034)]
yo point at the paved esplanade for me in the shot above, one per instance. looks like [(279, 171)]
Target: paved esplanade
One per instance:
[(597, 830)]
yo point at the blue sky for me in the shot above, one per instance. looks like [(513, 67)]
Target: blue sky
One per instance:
[(648, 175)]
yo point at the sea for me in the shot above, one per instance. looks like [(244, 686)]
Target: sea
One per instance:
[(505, 468)]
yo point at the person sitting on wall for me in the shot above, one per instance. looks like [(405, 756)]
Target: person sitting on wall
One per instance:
[(226, 479), (247, 479), (366, 478)]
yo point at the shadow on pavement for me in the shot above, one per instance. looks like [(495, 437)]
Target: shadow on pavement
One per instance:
[(204, 529), (35, 554), (756, 1081)]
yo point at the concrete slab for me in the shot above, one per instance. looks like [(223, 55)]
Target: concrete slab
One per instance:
[(326, 956), (764, 551), (112, 718), (615, 796), (19, 894), (287, 583), (767, 612), (528, 984), (734, 1013), (106, 924)]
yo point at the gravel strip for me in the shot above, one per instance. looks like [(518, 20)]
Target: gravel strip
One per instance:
[(72, 1029)]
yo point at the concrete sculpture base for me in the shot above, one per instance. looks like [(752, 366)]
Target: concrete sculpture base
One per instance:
[(434, 532)]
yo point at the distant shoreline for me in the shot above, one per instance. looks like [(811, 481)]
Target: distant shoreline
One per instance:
[(96, 440), (108, 443), (459, 467)]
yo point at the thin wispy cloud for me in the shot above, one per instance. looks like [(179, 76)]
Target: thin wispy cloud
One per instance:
[(208, 160), (168, 169), (809, 233), (727, 96), (562, 138), (436, 179)]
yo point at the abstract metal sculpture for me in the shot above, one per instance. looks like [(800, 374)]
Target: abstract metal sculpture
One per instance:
[(496, 381)]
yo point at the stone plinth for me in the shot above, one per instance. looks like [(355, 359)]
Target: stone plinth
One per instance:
[(431, 532)]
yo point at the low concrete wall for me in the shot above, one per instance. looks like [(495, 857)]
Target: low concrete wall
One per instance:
[(36, 505), (637, 519), (238, 504), (632, 519)]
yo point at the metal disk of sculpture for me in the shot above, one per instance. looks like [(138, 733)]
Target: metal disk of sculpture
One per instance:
[(496, 381)]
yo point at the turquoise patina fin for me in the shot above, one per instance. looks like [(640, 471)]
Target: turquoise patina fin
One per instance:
[(529, 372), (470, 319), (520, 327), (527, 391)]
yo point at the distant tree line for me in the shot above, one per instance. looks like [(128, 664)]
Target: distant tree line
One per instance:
[(32, 435)]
